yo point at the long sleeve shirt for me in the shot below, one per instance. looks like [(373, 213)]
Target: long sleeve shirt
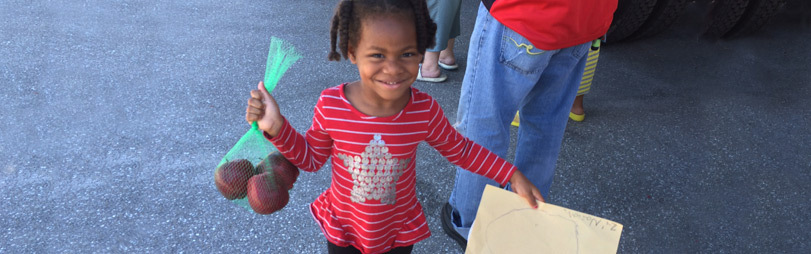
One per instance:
[(371, 203)]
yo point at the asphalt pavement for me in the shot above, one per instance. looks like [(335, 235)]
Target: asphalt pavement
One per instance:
[(113, 115)]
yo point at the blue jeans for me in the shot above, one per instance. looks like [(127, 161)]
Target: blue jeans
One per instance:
[(504, 74)]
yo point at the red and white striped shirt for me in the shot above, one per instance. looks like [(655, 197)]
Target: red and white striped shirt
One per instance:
[(372, 203)]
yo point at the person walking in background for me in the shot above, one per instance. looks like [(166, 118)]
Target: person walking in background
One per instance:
[(525, 56), (445, 14)]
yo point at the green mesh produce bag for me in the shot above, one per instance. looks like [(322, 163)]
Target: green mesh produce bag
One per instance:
[(238, 165)]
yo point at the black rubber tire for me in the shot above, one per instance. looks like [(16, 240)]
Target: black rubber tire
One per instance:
[(663, 15), (630, 15), (723, 15), (798, 11), (757, 14)]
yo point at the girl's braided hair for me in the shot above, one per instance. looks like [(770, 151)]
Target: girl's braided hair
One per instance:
[(348, 16)]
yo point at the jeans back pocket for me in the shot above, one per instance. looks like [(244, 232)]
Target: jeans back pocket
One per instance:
[(519, 54)]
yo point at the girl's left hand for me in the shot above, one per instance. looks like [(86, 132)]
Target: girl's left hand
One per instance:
[(524, 188)]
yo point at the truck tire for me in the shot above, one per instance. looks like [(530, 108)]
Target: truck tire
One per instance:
[(757, 14), (663, 15), (629, 16), (723, 15), (798, 11)]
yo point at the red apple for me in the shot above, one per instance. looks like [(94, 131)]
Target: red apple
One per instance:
[(232, 177), (265, 194), (276, 163)]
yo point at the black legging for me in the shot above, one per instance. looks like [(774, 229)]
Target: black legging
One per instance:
[(335, 249)]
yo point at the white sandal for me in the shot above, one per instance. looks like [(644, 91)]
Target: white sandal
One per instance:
[(449, 67), (442, 77)]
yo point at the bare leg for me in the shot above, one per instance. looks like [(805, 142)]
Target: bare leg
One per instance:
[(430, 68), (577, 106), (446, 56)]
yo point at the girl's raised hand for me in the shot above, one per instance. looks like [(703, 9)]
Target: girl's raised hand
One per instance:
[(263, 110), (524, 188)]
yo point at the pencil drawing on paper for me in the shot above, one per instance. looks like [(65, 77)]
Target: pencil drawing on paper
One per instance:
[(554, 232)]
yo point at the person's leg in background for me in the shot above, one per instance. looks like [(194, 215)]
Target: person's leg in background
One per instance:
[(578, 113), (447, 59), (445, 14)]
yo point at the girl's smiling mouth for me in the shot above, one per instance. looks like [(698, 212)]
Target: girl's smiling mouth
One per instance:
[(391, 84)]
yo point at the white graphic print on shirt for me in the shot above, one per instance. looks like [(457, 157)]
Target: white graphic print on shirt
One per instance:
[(374, 172)]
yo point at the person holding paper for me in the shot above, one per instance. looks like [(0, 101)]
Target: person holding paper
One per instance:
[(370, 129), (525, 56)]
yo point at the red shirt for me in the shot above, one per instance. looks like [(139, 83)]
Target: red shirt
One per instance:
[(371, 203), (556, 24)]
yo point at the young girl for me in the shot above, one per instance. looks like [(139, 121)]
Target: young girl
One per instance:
[(371, 128)]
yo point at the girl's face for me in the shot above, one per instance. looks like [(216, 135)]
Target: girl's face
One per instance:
[(387, 57)]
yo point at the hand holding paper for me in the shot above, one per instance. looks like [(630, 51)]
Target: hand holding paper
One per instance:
[(524, 188)]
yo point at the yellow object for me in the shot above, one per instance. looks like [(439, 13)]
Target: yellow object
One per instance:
[(505, 223), (576, 117), (515, 120), (528, 47), (588, 72)]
